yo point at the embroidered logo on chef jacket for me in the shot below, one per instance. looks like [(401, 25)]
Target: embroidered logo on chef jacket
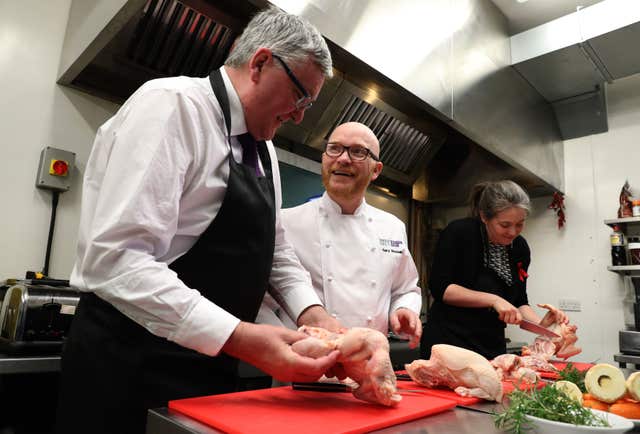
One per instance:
[(391, 246)]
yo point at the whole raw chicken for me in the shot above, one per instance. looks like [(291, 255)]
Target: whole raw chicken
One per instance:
[(465, 371), (364, 354)]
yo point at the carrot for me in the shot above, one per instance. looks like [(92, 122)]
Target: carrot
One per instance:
[(594, 403), (629, 410), (626, 399), (588, 396)]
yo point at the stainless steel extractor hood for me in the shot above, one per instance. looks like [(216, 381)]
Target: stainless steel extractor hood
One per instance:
[(147, 39), (569, 60)]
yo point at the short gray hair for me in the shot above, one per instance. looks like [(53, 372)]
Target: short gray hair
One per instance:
[(493, 197), (288, 36)]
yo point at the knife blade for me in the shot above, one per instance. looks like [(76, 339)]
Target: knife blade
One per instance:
[(479, 410), (537, 328)]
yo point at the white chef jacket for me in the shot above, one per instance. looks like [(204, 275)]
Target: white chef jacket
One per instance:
[(154, 181), (360, 265)]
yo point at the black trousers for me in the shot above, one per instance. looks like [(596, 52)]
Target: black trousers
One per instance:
[(113, 370)]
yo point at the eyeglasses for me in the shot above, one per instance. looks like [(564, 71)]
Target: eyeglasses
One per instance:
[(356, 153), (302, 103)]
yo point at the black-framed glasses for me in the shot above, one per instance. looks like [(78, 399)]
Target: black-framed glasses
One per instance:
[(356, 152), (304, 102)]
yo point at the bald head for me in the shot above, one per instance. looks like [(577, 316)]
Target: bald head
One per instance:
[(345, 179), (358, 132)]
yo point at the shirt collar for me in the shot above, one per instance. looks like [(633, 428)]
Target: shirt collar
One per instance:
[(331, 207), (238, 124)]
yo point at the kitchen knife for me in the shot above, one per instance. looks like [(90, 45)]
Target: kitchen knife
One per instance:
[(403, 377), (479, 410), (537, 329), (319, 386)]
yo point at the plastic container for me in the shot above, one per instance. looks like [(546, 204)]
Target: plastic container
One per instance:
[(635, 208)]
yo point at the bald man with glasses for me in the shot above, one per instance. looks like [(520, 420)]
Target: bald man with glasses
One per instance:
[(356, 254)]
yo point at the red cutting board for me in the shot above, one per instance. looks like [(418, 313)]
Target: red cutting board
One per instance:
[(441, 393), (282, 410), (561, 365)]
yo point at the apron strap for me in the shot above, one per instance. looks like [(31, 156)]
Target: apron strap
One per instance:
[(217, 84)]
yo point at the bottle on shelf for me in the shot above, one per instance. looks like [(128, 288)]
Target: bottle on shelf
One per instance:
[(618, 254)]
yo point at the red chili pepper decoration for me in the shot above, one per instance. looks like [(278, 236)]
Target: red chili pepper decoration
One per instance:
[(522, 273), (557, 204)]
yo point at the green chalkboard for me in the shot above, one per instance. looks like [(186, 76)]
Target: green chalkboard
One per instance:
[(298, 185)]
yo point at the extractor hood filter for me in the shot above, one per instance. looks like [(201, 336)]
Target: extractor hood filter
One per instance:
[(402, 146), (173, 39)]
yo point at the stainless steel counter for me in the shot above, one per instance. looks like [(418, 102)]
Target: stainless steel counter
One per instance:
[(456, 421), (28, 364)]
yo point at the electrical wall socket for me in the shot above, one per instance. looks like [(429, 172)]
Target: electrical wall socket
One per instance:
[(46, 178), (570, 305)]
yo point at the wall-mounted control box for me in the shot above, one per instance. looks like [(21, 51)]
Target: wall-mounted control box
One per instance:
[(54, 170)]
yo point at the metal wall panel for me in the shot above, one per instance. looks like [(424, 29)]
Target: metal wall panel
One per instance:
[(454, 55)]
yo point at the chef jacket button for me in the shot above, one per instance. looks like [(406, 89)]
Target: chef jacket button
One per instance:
[(335, 315), (373, 249), (373, 283), (330, 279), (369, 319), (370, 219), (327, 245)]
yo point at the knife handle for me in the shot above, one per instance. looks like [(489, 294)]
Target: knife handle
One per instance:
[(321, 387)]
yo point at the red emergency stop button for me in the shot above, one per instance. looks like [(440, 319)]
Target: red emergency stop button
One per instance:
[(59, 168)]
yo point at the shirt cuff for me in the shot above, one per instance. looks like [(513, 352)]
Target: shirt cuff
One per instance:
[(206, 329), (411, 301), (296, 300)]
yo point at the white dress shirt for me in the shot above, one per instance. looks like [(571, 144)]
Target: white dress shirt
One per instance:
[(360, 265), (156, 178)]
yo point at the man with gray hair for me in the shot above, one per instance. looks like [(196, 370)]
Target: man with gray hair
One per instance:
[(180, 236)]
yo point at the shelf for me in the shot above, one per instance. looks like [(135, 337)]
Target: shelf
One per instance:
[(622, 221), (628, 270)]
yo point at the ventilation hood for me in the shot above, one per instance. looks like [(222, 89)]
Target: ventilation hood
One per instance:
[(569, 60), (146, 39)]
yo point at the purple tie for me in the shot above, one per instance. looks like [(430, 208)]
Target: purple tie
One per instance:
[(249, 151)]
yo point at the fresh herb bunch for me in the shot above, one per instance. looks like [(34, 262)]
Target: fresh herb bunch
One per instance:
[(571, 373), (546, 403)]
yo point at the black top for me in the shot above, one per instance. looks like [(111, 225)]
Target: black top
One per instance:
[(459, 260)]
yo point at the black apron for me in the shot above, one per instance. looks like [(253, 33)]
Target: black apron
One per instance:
[(113, 369), (476, 329)]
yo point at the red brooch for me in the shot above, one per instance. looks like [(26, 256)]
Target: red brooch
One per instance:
[(522, 273)]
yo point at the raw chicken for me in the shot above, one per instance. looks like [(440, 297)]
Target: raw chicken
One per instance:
[(364, 354), (537, 364), (465, 371), (515, 368), (562, 347)]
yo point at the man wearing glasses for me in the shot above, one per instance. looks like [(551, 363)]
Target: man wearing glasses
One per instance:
[(356, 254), (180, 236)]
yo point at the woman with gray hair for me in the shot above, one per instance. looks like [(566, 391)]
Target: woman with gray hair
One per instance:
[(479, 274)]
